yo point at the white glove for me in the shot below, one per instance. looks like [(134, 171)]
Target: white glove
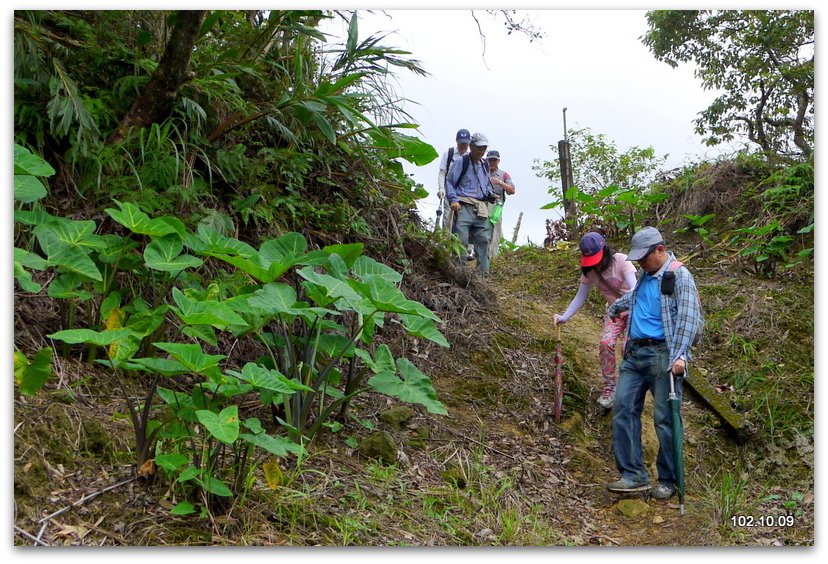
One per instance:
[(441, 194)]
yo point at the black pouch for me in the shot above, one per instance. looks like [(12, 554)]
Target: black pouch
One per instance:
[(668, 283)]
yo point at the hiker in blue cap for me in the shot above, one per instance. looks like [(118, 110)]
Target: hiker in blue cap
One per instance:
[(665, 321), (469, 190), (452, 154), (614, 276)]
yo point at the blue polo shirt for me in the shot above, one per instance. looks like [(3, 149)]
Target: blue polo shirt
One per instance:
[(645, 321)]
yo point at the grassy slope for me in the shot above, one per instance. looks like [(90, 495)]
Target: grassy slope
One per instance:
[(498, 470)]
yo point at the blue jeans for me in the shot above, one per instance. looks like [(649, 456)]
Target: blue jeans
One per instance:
[(476, 230), (643, 369)]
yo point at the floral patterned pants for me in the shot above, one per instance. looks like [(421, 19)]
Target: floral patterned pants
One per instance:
[(613, 332)]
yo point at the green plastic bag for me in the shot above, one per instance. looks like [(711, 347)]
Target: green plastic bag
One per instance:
[(496, 213)]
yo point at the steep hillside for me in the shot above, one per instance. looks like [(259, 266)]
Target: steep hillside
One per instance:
[(496, 470)]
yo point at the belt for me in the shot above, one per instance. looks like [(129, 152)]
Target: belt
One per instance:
[(647, 342)]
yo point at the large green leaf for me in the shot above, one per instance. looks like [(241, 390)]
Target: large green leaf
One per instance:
[(58, 233), (335, 345), (224, 426), (411, 386), (331, 287), (100, 338), (425, 328), (276, 445), (28, 189), (398, 145), (24, 259), (164, 254), (273, 299), (172, 461), (191, 356), (267, 379), (68, 286), (348, 252), (286, 248), (207, 312), (131, 217), (77, 261), (251, 266), (165, 366), (25, 162), (214, 486), (383, 360), (24, 279), (366, 266), (210, 241), (31, 375), (387, 297)]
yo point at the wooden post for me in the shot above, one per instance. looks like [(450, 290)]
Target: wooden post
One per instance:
[(570, 211)]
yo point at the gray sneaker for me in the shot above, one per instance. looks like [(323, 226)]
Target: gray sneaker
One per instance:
[(663, 491), (625, 485), (607, 398)]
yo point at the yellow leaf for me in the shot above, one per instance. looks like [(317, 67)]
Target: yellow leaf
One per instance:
[(20, 364), (272, 473), (115, 319)]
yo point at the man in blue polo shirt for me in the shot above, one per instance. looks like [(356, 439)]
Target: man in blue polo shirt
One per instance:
[(665, 318), (469, 193)]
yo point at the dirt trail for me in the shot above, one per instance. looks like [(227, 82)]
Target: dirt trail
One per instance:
[(586, 461)]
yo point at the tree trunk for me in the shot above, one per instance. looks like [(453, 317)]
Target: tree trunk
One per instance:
[(157, 96)]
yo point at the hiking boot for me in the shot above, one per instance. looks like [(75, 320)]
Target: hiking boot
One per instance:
[(469, 257), (663, 491), (607, 398), (625, 485)]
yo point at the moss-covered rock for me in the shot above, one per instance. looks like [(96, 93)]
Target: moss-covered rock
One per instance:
[(397, 416), (380, 446)]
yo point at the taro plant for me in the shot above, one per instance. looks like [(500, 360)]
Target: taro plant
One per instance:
[(314, 315)]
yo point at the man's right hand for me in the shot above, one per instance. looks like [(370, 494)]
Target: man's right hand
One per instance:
[(455, 206), (441, 194)]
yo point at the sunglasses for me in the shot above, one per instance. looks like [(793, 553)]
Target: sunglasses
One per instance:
[(650, 251)]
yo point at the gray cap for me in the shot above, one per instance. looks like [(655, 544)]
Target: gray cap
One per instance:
[(479, 140), (642, 241)]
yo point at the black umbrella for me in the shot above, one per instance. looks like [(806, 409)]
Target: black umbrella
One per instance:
[(678, 441)]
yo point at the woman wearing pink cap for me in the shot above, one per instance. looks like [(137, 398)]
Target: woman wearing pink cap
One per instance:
[(614, 275)]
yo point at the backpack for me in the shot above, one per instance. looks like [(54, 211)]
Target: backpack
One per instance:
[(668, 286), (449, 162)]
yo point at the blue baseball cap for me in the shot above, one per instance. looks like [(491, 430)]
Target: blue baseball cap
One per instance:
[(592, 249), (463, 136)]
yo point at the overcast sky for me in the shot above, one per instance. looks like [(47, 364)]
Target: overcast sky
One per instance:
[(590, 61)]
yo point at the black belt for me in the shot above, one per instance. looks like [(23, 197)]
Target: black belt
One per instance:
[(647, 342)]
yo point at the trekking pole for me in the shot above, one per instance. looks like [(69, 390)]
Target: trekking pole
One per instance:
[(439, 214), (557, 400), (678, 440)]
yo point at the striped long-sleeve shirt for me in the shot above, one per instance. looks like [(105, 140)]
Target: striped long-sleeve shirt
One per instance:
[(681, 313)]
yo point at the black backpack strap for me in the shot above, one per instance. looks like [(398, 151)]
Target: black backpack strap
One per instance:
[(466, 160)]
